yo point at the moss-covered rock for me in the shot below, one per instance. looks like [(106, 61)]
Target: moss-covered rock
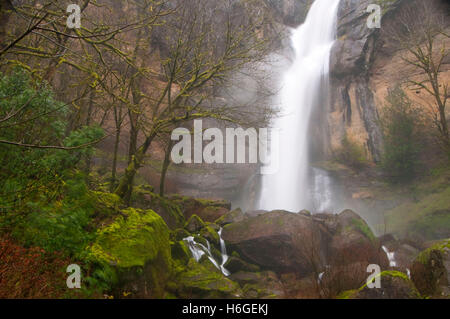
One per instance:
[(354, 242), (259, 284), (236, 264), (144, 198), (199, 281), (180, 252), (137, 246), (231, 217), (179, 234), (394, 285), (208, 210), (429, 272), (195, 224), (210, 234)]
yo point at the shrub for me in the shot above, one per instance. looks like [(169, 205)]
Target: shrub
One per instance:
[(401, 125), (351, 154)]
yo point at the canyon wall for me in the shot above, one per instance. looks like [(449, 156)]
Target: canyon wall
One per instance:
[(365, 64)]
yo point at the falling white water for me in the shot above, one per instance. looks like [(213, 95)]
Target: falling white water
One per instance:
[(223, 249), (391, 257), (198, 250), (302, 85)]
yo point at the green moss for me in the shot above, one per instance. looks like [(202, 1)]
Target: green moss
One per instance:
[(350, 294), (424, 256), (180, 252), (179, 234), (195, 223), (210, 234), (132, 240), (347, 294), (143, 197), (197, 281), (364, 229)]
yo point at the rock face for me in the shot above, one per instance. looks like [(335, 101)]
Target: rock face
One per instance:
[(353, 112), (290, 12), (364, 65)]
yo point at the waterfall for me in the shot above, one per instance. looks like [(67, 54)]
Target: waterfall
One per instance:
[(198, 250), (390, 256), (302, 86), (223, 250)]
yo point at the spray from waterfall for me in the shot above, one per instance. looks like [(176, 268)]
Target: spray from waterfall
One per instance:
[(303, 85)]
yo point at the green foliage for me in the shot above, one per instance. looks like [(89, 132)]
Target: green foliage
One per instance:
[(57, 224), (44, 199), (351, 154), (401, 125)]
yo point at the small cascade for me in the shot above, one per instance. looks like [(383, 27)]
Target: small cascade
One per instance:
[(223, 250), (198, 250), (390, 256)]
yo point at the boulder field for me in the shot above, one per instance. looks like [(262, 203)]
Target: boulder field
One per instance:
[(149, 253)]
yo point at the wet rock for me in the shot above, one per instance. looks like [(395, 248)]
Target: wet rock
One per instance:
[(207, 210), (198, 281), (258, 285), (279, 241), (394, 285), (234, 216), (429, 271), (194, 224), (235, 264), (354, 242), (144, 198)]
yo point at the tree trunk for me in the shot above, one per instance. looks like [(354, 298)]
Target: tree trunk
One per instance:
[(165, 168), (125, 187), (114, 163), (88, 123)]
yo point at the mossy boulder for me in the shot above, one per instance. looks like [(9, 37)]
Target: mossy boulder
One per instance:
[(137, 246), (197, 281), (195, 224), (429, 272), (394, 285), (354, 242), (278, 241), (179, 234), (211, 235), (234, 216), (106, 207), (144, 198), (236, 264), (257, 285), (209, 210), (180, 251)]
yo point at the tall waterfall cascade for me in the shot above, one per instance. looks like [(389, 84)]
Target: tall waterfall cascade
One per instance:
[(303, 85)]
